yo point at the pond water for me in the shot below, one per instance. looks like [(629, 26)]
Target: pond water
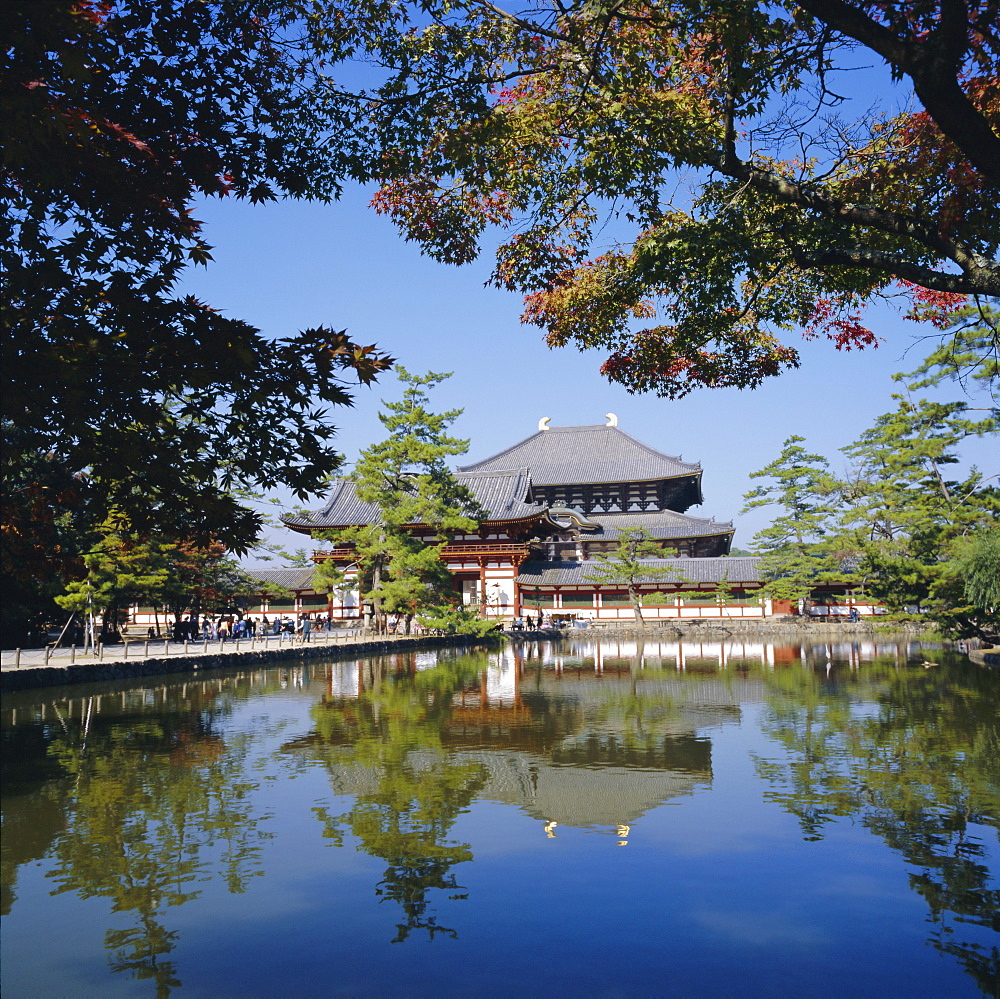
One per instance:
[(580, 819)]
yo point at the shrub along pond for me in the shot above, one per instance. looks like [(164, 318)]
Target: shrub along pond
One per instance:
[(581, 818)]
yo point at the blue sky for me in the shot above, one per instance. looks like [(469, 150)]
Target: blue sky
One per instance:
[(291, 265)]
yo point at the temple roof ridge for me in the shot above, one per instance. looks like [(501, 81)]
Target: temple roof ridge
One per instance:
[(587, 453)]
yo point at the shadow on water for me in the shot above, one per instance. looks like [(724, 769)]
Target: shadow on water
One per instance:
[(142, 795)]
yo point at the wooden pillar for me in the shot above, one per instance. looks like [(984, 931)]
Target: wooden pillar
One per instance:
[(482, 587)]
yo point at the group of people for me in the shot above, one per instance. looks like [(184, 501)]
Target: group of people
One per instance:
[(219, 628), (225, 627), (529, 623)]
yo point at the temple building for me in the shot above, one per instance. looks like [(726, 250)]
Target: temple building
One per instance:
[(598, 480), (553, 502)]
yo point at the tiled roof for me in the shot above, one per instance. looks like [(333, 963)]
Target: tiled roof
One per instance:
[(291, 579), (569, 455), (503, 495), (696, 570), (661, 524), (342, 507)]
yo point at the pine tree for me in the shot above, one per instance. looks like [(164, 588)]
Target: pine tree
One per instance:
[(407, 478), (905, 512), (798, 550), (627, 566), (119, 568)]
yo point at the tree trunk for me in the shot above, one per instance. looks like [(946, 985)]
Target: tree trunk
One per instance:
[(376, 602), (110, 618), (636, 607)]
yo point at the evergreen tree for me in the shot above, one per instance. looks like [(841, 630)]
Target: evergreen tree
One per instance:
[(970, 354), (914, 525), (977, 566), (123, 566), (627, 566), (120, 567), (905, 513), (723, 592), (798, 551), (407, 478)]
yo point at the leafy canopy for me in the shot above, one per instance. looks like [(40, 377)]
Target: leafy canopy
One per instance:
[(681, 184), (115, 118)]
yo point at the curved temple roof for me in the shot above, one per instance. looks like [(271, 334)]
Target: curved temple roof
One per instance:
[(693, 570), (504, 495), (595, 454), (607, 795), (660, 524)]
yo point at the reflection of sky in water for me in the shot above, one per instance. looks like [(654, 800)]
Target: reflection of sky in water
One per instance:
[(488, 817)]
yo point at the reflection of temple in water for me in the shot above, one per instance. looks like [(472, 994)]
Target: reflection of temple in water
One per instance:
[(573, 737), (566, 754), (593, 733), (562, 794)]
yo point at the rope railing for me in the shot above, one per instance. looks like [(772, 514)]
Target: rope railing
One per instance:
[(161, 648)]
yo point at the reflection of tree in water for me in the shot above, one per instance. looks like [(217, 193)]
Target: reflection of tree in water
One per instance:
[(635, 719), (148, 799), (412, 790), (35, 790), (628, 717), (916, 773), (406, 822)]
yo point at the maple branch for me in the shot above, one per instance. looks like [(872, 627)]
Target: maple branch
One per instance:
[(980, 276), (520, 22), (932, 64), (926, 277)]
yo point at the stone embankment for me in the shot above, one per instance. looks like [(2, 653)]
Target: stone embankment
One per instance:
[(792, 629), (119, 668), (985, 657)]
